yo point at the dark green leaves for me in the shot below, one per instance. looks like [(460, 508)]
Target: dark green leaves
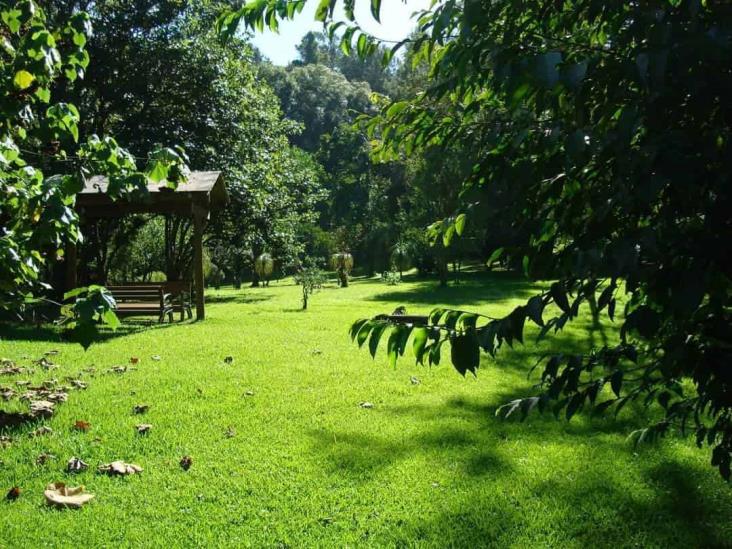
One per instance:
[(465, 352), (559, 295)]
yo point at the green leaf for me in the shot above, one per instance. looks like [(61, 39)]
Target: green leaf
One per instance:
[(534, 309), (616, 382), (419, 342), (376, 9), (495, 256), (559, 296), (364, 331), (23, 79), (356, 326), (460, 224), (376, 334), (110, 319), (465, 352)]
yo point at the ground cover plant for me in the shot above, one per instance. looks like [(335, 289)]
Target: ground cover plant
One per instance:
[(280, 452)]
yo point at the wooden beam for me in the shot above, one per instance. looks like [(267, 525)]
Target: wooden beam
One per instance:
[(70, 259), (199, 223)]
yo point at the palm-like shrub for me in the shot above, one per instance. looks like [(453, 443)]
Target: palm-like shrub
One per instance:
[(263, 266), (342, 264)]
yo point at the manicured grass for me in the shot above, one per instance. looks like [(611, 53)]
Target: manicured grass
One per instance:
[(428, 465)]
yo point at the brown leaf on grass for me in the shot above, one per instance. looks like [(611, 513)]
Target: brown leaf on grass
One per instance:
[(120, 468), (415, 380), (76, 465), (143, 428), (78, 384), (367, 405), (45, 363), (134, 360), (43, 458), (41, 408), (140, 408), (58, 396), (156, 357), (81, 425), (41, 431), (186, 462), (117, 370), (60, 495), (13, 494), (249, 393)]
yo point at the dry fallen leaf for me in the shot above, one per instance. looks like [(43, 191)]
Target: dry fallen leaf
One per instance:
[(117, 370), (186, 462), (43, 458), (140, 408), (249, 393), (134, 360), (51, 352), (42, 430), (229, 359), (120, 468), (230, 432), (41, 408), (143, 428), (75, 465), (78, 384), (60, 495), (5, 441), (6, 393), (366, 405), (156, 357), (82, 425), (13, 494), (415, 380)]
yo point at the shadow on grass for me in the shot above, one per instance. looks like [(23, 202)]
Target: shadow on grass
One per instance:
[(54, 334), (474, 287), (240, 297), (627, 500)]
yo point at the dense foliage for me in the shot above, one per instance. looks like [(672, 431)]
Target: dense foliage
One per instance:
[(45, 162), (610, 119)]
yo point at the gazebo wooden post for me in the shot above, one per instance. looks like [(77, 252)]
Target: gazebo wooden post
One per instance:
[(199, 223), (70, 259)]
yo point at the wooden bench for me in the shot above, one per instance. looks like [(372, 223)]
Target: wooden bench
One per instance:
[(142, 300)]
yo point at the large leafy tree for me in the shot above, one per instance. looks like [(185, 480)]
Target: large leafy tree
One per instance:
[(43, 162), (614, 119), (160, 75)]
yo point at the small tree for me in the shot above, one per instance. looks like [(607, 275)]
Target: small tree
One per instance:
[(263, 266), (342, 263), (311, 278)]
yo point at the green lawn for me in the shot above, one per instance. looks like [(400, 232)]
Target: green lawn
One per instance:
[(428, 465)]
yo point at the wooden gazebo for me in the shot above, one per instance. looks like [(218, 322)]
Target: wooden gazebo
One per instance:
[(203, 193)]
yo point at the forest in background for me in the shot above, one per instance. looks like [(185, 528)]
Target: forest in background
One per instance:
[(298, 167)]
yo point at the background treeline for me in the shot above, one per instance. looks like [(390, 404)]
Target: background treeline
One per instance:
[(300, 174)]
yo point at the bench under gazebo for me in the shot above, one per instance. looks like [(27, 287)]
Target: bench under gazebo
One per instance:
[(201, 194)]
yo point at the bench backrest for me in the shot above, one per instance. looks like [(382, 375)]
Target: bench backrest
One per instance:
[(134, 292)]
